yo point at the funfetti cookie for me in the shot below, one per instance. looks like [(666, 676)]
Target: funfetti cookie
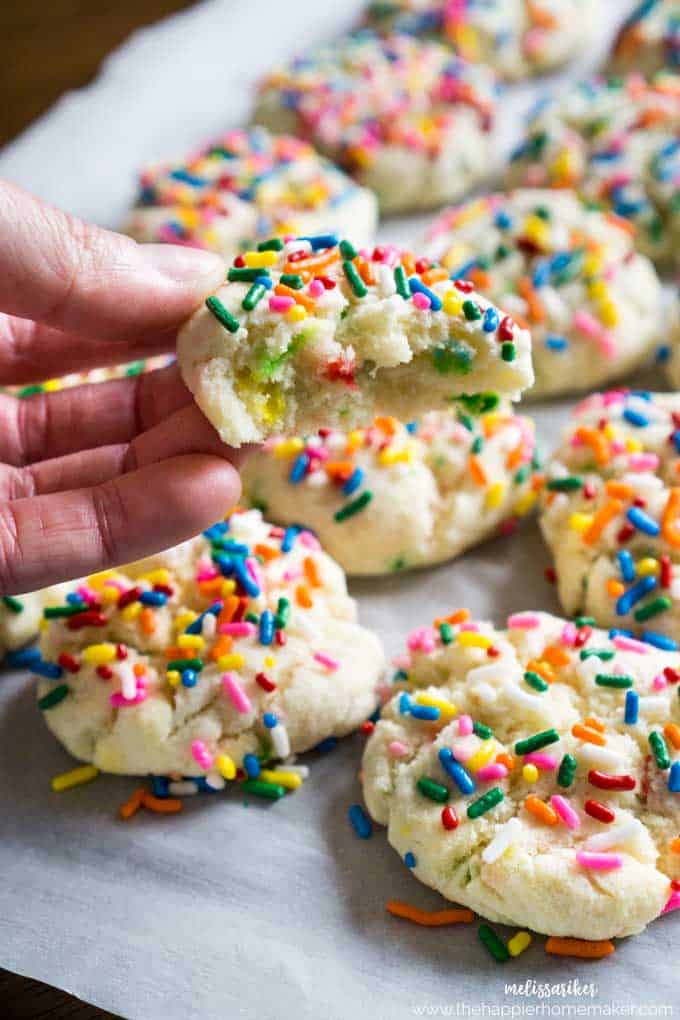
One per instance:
[(567, 272), (394, 496), (611, 514), (247, 185), (518, 38), (533, 773), (315, 333), (241, 650), (615, 140), (649, 38), (406, 118)]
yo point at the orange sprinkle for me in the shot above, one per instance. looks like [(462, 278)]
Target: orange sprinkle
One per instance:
[(506, 759), (595, 724), (628, 226), (429, 918), (535, 306), (408, 262), (312, 572), (302, 596), (619, 490), (675, 845), (132, 806), (579, 947), (515, 457), (267, 552), (615, 588), (161, 805), (300, 298), (672, 732), (602, 518), (479, 277), (597, 442), (457, 616), (556, 656), (477, 472), (386, 424), (222, 646), (539, 809), (314, 263), (139, 668), (339, 470), (544, 669), (589, 736), (365, 271), (669, 520), (147, 620), (540, 17), (208, 587), (231, 604), (173, 652), (434, 275)]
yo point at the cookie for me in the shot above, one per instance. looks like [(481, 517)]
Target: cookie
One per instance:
[(394, 496), (235, 649), (247, 185), (532, 773), (616, 141), (567, 272), (407, 119), (312, 333), (518, 38), (649, 39), (610, 513)]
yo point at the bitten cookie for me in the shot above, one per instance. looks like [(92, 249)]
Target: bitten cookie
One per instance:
[(242, 642), (312, 333), (248, 185), (649, 39), (533, 774), (394, 496), (611, 513), (408, 119), (616, 141), (567, 272), (518, 38)]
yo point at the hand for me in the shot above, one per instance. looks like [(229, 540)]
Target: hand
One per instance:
[(99, 474)]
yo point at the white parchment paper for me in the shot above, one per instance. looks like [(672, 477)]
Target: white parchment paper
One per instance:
[(274, 912)]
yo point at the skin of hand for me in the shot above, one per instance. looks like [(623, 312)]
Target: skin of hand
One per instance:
[(97, 475)]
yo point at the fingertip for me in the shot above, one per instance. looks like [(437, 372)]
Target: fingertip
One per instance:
[(193, 270)]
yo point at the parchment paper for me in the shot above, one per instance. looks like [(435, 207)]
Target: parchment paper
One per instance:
[(274, 912)]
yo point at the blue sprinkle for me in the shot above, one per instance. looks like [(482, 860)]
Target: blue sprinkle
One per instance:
[(642, 395), (411, 427), (235, 548), (418, 287), (289, 536), (638, 591), (23, 658), (245, 580), (404, 703), (674, 777), (409, 859), (556, 343), (676, 439), (326, 745), (189, 678), (153, 598), (360, 821), (632, 708), (353, 482), (635, 418), (74, 599), (626, 566), (491, 320), (299, 469), (216, 531), (662, 354), (270, 720), (196, 626), (318, 241), (160, 786), (503, 220), (666, 644), (202, 784), (50, 670), (426, 712), (265, 281), (642, 521), (458, 773), (186, 178), (541, 274), (251, 765), (620, 632), (462, 270), (266, 627)]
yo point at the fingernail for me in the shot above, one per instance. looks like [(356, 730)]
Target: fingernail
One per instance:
[(190, 267)]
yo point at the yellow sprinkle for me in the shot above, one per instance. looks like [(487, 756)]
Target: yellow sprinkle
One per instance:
[(518, 943), (76, 777), (452, 303), (633, 446), (132, 611), (394, 456), (44, 624), (529, 773), (580, 522), (225, 766), (456, 255), (291, 780), (159, 576), (288, 447), (597, 289), (173, 676), (609, 313), (260, 259), (270, 661), (447, 710), (592, 263), (228, 587), (481, 756), (96, 581), (648, 566), (99, 654), (190, 641), (184, 618), (494, 495), (470, 639), (51, 385), (562, 164), (109, 594), (526, 503), (296, 313), (232, 661)]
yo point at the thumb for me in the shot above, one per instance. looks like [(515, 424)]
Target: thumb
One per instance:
[(60, 271)]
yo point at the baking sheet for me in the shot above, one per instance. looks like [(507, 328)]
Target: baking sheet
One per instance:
[(236, 909)]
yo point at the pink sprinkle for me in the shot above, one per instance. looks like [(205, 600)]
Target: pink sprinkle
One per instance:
[(240, 629), (402, 661), (524, 621), (465, 726), (599, 862), (254, 571), (118, 701), (586, 323), (206, 574), (470, 626), (397, 749), (673, 902), (659, 682), (643, 461), (309, 540), (495, 770), (565, 811), (316, 288), (87, 594), (629, 644), (613, 397), (201, 754), (463, 752), (422, 639), (327, 661), (280, 303), (544, 762), (292, 573), (421, 301), (236, 694), (569, 633)]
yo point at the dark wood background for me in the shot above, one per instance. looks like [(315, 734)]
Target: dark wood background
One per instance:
[(46, 48)]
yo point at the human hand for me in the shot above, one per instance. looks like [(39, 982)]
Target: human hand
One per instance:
[(99, 474)]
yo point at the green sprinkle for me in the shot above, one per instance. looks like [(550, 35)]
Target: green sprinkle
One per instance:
[(454, 356), (355, 281), (508, 351), (477, 446), (282, 613), (180, 664), (613, 680), (435, 791), (245, 275), (446, 633), (482, 731), (521, 475), (223, 315), (567, 771), (57, 612), (134, 368), (568, 484), (485, 803), (467, 422), (599, 653), (653, 608), (401, 283), (269, 791), (53, 697), (537, 741), (273, 244), (584, 621), (471, 310), (30, 391), (14, 605), (347, 250), (479, 403), (535, 681), (253, 297), (493, 943), (659, 750), (292, 280), (251, 618), (350, 509)]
